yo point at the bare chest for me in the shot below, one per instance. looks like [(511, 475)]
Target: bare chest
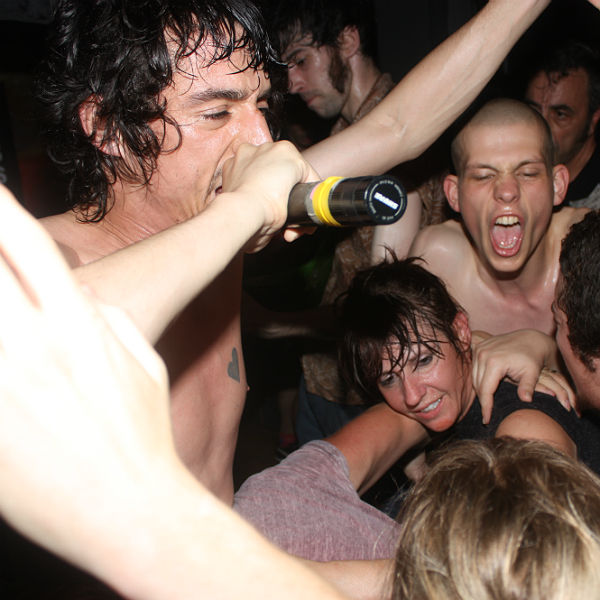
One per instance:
[(499, 313), (202, 347)]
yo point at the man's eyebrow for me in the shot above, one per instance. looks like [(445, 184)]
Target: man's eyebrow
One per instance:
[(564, 107), (527, 161), (219, 94), (292, 55), (235, 95)]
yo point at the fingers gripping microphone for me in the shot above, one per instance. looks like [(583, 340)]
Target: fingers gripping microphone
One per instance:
[(342, 202)]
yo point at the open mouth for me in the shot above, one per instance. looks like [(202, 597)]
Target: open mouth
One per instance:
[(507, 235)]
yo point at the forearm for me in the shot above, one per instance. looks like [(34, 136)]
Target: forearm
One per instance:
[(430, 97), (154, 279), (182, 541), (374, 441), (357, 579)]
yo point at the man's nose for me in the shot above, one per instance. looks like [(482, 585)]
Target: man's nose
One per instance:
[(254, 129), (295, 81), (507, 189)]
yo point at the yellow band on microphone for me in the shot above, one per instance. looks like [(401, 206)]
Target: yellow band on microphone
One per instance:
[(320, 200)]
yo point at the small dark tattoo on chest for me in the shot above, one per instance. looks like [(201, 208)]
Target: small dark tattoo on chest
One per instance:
[(233, 368)]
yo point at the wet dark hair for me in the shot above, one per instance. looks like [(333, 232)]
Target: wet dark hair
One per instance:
[(116, 55), (387, 310), (579, 296), (566, 56), (324, 20)]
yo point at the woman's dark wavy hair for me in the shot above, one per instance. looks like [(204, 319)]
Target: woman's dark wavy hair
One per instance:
[(115, 54), (579, 296), (388, 309)]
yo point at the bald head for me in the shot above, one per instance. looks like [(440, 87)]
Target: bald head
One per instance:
[(500, 113)]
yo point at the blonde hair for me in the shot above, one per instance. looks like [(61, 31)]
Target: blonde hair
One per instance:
[(501, 519)]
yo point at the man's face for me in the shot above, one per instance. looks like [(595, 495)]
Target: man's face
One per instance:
[(217, 108), (564, 103), (587, 383), (319, 75), (505, 192), (434, 390)]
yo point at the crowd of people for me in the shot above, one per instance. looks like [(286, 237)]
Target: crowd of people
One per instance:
[(472, 344)]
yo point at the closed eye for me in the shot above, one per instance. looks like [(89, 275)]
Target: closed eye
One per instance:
[(215, 116)]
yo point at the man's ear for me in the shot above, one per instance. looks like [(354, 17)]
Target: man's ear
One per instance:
[(462, 329), (348, 41), (451, 191), (560, 183), (93, 127)]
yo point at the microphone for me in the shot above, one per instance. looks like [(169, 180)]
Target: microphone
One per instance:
[(347, 201)]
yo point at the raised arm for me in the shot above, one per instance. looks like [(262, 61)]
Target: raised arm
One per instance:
[(122, 506), (374, 441), (430, 97), (153, 280)]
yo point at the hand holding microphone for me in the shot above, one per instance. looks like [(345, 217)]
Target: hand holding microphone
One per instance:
[(350, 201)]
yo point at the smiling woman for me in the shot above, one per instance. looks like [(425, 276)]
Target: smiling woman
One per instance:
[(407, 342)]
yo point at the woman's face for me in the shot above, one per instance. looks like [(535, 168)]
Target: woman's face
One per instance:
[(434, 390)]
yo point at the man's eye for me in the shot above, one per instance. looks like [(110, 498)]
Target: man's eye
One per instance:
[(562, 114), (215, 116), (297, 62)]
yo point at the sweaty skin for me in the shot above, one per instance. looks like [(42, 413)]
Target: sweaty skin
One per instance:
[(214, 127), (154, 280), (501, 262)]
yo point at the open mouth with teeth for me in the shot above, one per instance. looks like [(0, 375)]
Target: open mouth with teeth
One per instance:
[(507, 235), (431, 407)]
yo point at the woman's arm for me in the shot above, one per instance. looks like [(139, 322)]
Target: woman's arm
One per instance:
[(374, 441)]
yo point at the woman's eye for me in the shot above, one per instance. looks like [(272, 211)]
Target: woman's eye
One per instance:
[(425, 360), (386, 380)]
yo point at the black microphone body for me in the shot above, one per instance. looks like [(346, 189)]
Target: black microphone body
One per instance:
[(347, 202)]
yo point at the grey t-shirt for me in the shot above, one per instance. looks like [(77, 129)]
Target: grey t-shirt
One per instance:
[(307, 506)]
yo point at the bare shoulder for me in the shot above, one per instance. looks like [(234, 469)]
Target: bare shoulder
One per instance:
[(67, 232), (564, 218), (440, 242), (531, 424)]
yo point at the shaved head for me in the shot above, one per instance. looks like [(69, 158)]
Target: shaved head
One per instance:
[(499, 113)]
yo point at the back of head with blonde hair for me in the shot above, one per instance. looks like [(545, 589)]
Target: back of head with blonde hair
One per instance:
[(501, 519)]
